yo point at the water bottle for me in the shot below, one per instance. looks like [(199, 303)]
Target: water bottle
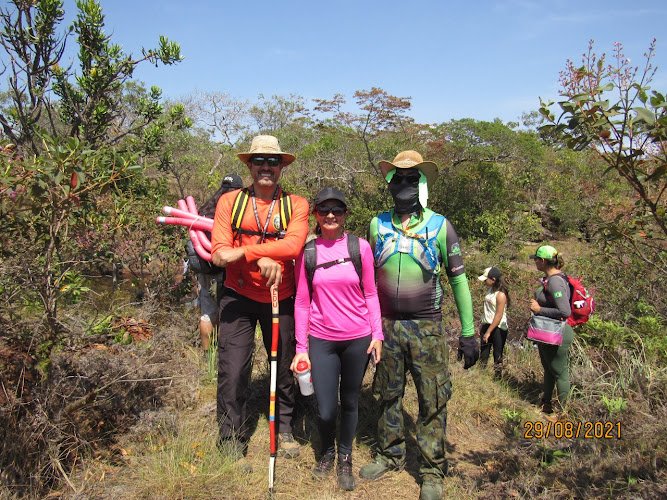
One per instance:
[(304, 378)]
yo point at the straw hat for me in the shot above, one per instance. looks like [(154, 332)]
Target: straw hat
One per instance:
[(411, 159), (266, 145)]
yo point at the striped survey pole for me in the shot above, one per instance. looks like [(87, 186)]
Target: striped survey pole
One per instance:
[(275, 333)]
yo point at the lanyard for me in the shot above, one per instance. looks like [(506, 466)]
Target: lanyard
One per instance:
[(268, 215), (407, 231)]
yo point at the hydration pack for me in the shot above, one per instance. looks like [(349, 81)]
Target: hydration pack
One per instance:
[(421, 245)]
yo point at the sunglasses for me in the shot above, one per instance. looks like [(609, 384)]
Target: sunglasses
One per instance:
[(337, 211), (271, 161)]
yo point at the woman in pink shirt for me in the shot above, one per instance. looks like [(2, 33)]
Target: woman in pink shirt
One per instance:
[(337, 326)]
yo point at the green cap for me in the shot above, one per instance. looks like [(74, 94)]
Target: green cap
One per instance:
[(546, 252)]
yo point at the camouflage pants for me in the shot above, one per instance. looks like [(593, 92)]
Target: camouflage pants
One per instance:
[(419, 346)]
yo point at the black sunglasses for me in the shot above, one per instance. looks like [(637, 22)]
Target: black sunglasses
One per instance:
[(271, 161), (337, 211)]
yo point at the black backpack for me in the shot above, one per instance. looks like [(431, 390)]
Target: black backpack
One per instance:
[(310, 260), (199, 265)]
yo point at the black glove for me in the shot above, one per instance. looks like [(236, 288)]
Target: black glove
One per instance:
[(469, 350)]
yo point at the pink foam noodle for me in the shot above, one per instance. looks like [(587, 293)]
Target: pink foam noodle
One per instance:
[(192, 208), (183, 206), (198, 247), (196, 225), (175, 212), (187, 216), (203, 239), (205, 242)]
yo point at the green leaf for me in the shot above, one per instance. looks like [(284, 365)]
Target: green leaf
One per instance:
[(645, 115), (581, 97), (657, 98)]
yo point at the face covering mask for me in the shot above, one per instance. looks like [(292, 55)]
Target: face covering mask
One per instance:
[(409, 192)]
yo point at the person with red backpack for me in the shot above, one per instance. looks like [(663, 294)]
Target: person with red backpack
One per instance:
[(552, 300), (337, 326)]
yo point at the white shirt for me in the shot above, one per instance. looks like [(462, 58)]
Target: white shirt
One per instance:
[(490, 310)]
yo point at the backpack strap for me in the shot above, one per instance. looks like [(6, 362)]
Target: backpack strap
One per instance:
[(239, 208), (285, 209), (563, 276), (311, 265), (355, 256)]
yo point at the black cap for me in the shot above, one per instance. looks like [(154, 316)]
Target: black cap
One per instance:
[(490, 272), (329, 193), (233, 181)]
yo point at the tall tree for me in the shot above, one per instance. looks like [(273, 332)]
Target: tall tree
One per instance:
[(608, 106), (379, 111), (42, 83)]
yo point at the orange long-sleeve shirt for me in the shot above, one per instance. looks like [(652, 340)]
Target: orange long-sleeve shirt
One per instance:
[(243, 275)]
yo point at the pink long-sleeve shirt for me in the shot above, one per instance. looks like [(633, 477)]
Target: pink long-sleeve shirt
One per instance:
[(339, 310)]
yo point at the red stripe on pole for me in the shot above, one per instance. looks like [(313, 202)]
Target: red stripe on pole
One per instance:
[(275, 333)]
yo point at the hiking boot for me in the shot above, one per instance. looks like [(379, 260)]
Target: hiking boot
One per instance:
[(287, 445), (497, 371), (377, 469), (552, 417), (431, 490), (325, 465), (546, 407), (344, 472)]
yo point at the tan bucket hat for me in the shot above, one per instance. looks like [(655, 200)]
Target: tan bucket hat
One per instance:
[(411, 159), (266, 145)]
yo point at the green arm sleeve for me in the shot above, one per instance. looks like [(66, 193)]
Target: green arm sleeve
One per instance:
[(452, 261), (463, 301)]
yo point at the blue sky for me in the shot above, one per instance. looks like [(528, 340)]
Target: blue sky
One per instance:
[(455, 59)]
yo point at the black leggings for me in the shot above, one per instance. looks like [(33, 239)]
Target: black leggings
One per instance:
[(330, 360), (497, 340)]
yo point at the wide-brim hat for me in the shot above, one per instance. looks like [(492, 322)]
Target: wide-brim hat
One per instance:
[(411, 159), (266, 145)]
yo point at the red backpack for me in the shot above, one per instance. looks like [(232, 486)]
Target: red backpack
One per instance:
[(582, 303)]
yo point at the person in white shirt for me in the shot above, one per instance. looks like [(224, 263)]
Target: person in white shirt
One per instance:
[(493, 331)]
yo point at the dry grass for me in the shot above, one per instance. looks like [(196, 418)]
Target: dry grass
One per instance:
[(171, 452), (175, 456)]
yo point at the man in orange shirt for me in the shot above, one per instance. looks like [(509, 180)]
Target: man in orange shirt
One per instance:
[(257, 234)]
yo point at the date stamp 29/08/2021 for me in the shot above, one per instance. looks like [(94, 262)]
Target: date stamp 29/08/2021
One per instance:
[(572, 430)]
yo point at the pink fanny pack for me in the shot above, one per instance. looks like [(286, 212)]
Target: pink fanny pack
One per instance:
[(545, 330)]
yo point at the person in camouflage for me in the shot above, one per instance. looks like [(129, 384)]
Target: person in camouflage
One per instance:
[(412, 247)]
